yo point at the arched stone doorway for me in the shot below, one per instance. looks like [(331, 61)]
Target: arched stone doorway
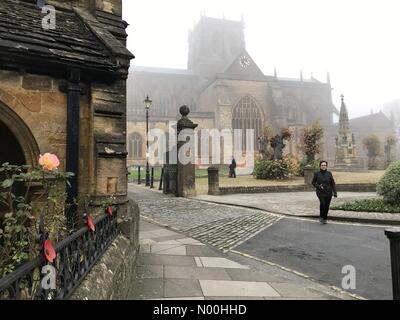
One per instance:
[(247, 115), (17, 145), (11, 150), (16, 131)]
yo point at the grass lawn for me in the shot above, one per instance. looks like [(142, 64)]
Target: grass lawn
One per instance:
[(368, 205), (248, 180)]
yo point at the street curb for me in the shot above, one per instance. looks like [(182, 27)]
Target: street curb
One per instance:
[(333, 218)]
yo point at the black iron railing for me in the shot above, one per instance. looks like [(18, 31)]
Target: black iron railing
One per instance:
[(76, 255)]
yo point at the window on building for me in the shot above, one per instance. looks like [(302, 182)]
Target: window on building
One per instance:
[(247, 115), (135, 146)]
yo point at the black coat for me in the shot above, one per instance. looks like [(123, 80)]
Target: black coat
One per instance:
[(324, 183)]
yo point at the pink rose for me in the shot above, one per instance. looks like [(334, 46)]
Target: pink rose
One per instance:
[(49, 161)]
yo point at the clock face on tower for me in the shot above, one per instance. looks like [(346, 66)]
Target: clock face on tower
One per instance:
[(244, 61)]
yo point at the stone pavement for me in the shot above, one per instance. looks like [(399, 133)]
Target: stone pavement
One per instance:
[(172, 265), (303, 204)]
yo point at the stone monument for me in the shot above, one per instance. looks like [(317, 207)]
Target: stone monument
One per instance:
[(346, 156)]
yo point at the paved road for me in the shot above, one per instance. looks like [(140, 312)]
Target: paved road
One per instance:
[(321, 251)]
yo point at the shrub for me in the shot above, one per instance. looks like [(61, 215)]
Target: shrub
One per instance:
[(18, 226), (273, 169), (388, 186), (311, 142)]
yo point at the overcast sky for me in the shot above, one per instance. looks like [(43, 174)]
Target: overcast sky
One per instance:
[(357, 41)]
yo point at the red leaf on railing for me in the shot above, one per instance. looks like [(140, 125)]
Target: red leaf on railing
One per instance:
[(49, 251), (90, 224), (109, 211)]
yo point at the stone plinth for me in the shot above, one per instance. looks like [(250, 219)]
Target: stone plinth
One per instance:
[(213, 181), (186, 177), (308, 174)]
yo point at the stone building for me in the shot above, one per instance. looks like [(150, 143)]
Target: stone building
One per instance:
[(224, 89), (63, 91)]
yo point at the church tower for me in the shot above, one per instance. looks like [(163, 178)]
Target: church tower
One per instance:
[(213, 44), (345, 141)]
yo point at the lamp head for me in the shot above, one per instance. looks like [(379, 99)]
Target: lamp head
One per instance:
[(147, 103)]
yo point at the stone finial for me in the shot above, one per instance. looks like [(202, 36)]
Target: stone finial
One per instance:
[(184, 111), (185, 122)]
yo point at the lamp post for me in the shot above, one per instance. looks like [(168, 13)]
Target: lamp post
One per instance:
[(147, 104)]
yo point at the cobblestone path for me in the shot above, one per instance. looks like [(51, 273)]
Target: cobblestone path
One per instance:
[(227, 234), (221, 226)]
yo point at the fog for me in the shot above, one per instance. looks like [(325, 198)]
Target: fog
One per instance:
[(356, 41)]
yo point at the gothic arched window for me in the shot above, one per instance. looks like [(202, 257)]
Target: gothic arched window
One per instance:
[(247, 115), (135, 145)]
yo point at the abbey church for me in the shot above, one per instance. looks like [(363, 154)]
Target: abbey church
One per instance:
[(224, 88)]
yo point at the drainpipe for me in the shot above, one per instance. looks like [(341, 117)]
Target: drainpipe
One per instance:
[(74, 89)]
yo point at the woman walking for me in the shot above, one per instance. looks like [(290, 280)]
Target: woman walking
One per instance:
[(325, 186)]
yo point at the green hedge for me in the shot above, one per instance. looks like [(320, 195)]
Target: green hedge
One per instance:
[(389, 185), (368, 205)]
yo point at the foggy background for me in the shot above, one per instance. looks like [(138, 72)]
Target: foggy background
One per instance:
[(356, 41)]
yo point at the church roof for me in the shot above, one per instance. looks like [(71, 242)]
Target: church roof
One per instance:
[(372, 122), (162, 70), (78, 40)]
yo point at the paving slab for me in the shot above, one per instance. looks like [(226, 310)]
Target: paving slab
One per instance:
[(178, 251), (182, 288), (150, 271), (196, 273), (217, 262), (292, 291), (258, 276), (151, 259), (194, 250), (215, 288), (148, 289)]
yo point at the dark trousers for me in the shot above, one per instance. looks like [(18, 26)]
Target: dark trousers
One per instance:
[(324, 203)]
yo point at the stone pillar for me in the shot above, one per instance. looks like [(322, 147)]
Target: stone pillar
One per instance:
[(393, 235), (308, 174), (186, 181), (213, 181)]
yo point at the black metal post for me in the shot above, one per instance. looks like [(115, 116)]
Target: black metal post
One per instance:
[(139, 180), (393, 235), (152, 178), (160, 187), (74, 89), (147, 150)]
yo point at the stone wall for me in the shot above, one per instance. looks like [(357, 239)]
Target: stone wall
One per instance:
[(266, 189), (42, 107), (112, 278)]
